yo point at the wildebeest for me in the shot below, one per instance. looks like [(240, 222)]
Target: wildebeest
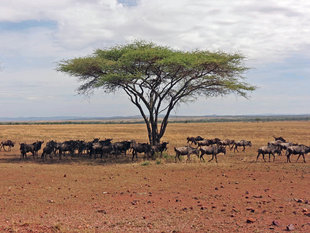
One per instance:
[(140, 148), (101, 147), (7, 143), (159, 148), (205, 142), (227, 142), (299, 150), (194, 139), (33, 148), (185, 150), (66, 146), (49, 149), (242, 143), (270, 150), (121, 147), (208, 142), (211, 150)]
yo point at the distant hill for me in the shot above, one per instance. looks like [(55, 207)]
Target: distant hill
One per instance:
[(138, 119)]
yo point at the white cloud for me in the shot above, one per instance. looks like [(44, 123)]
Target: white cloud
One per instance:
[(266, 31), (259, 29)]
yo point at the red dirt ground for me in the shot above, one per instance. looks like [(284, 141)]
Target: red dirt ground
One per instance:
[(192, 197)]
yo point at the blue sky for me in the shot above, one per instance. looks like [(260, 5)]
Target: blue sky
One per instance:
[(36, 35)]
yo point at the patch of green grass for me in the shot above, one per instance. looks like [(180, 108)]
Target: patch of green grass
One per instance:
[(146, 163), (168, 158)]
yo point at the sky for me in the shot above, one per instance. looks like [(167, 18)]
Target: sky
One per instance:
[(36, 35)]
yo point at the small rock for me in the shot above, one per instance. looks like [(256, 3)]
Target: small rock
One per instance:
[(275, 223), (251, 220), (290, 227), (250, 209), (134, 202), (65, 175), (304, 210), (216, 188), (50, 201), (101, 211)]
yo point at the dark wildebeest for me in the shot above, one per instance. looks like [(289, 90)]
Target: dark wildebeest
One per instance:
[(194, 139), (121, 147), (243, 143), (140, 148), (299, 150), (270, 150), (159, 148), (66, 146), (185, 150), (101, 147), (25, 148), (33, 148), (212, 150), (49, 149), (7, 143)]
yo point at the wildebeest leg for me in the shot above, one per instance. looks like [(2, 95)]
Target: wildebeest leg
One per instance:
[(215, 158), (274, 157), (188, 158), (211, 158), (133, 154), (236, 148), (302, 156), (243, 148), (201, 156), (258, 156)]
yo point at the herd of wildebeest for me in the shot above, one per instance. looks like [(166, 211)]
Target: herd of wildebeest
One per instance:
[(195, 145)]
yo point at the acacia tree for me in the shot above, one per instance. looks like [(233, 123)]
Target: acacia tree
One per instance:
[(157, 78)]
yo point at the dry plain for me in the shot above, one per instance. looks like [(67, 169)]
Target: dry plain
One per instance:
[(84, 195)]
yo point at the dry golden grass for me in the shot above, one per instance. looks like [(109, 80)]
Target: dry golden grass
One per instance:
[(257, 132)]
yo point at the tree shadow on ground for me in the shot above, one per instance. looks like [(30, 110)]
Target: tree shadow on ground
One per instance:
[(83, 159)]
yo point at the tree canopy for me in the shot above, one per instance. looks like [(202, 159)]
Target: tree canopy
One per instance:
[(157, 78)]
